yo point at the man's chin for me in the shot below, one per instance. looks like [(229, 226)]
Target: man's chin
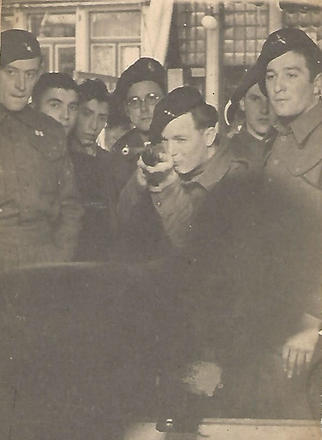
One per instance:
[(16, 107), (144, 127)]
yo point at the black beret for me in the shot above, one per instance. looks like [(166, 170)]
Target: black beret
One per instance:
[(144, 69), (250, 78), (17, 44), (178, 102), (282, 41)]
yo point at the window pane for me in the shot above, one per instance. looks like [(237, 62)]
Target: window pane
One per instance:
[(52, 25), (45, 52), (103, 59), (66, 59), (116, 24), (128, 55)]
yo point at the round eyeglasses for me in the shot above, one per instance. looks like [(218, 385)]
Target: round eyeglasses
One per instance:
[(150, 99)]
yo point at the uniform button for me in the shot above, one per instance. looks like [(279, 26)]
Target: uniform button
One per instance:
[(1, 209), (158, 203), (189, 227), (269, 179), (276, 161)]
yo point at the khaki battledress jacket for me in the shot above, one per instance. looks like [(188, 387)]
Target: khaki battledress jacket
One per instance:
[(294, 169), (40, 213)]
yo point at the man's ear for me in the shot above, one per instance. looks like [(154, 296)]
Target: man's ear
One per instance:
[(317, 85), (126, 109), (40, 69), (242, 104), (210, 135)]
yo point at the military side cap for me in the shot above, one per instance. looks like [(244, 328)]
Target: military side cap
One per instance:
[(144, 69), (282, 41), (250, 78), (17, 44), (178, 102)]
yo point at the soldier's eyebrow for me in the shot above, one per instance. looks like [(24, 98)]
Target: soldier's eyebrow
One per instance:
[(285, 68), (293, 68), (179, 136), (55, 100)]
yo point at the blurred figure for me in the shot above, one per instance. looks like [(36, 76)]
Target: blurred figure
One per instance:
[(137, 92), (55, 94), (159, 202), (251, 134), (92, 167), (40, 212), (83, 351), (118, 125)]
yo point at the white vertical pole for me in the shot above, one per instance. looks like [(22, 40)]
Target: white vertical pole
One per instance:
[(274, 17), (82, 40), (20, 19), (212, 66)]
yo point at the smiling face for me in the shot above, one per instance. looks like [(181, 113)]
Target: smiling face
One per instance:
[(17, 80), (257, 113), (188, 145), (289, 87), (141, 113), (91, 119), (60, 104)]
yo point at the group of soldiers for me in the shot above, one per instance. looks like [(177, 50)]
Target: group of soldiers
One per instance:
[(234, 221)]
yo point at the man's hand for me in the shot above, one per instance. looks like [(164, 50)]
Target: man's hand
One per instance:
[(202, 378), (298, 350), (158, 177)]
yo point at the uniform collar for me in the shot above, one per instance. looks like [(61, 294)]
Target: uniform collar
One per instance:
[(215, 169), (304, 124), (3, 112), (26, 116)]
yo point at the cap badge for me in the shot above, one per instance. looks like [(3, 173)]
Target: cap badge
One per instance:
[(151, 66), (27, 47), (168, 113), (39, 133), (280, 39)]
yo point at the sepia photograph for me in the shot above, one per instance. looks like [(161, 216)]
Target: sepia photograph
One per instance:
[(160, 219)]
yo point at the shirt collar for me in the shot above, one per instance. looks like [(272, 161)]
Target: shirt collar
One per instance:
[(304, 124), (26, 116)]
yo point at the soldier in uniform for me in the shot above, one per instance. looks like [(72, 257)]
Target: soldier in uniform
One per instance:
[(92, 168), (290, 67), (137, 91), (159, 202), (251, 134), (40, 212)]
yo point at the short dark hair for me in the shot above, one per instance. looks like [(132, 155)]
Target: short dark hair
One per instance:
[(93, 89), (54, 80), (204, 116)]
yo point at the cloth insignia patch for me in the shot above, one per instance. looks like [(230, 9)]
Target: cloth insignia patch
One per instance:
[(28, 48)]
